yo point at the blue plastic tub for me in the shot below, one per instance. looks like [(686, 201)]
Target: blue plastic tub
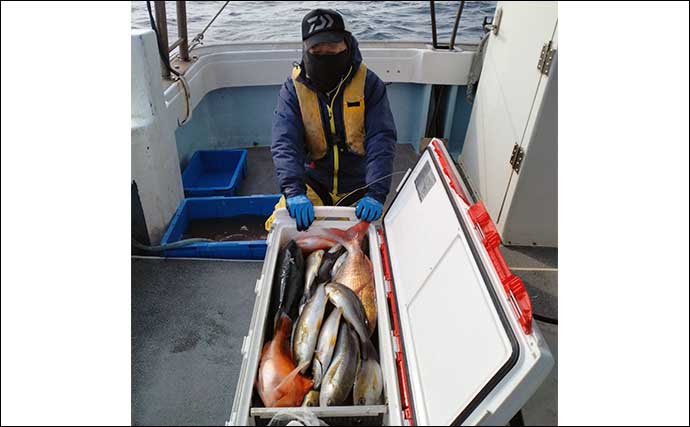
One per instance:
[(217, 208), (214, 173)]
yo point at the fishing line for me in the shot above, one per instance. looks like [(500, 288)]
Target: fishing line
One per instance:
[(367, 185)]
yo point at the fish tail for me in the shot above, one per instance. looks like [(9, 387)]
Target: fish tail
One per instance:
[(338, 235), (351, 237), (357, 231)]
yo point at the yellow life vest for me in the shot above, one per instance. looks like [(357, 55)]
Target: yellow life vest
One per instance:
[(353, 115)]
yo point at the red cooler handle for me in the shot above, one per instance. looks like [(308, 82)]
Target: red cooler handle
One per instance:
[(511, 283)]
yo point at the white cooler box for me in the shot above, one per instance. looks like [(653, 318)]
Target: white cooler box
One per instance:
[(455, 332)]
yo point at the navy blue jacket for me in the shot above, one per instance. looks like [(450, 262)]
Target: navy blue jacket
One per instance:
[(290, 155)]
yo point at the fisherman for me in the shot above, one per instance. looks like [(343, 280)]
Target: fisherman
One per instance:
[(333, 137)]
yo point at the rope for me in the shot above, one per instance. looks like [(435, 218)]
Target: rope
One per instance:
[(186, 89), (199, 37)]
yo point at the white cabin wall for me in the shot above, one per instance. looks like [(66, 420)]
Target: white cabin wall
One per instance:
[(530, 216)]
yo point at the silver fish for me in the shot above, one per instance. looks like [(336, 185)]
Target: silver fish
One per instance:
[(353, 312), (329, 258), (307, 329), (368, 385), (311, 399), (340, 376), (311, 269), (325, 346), (338, 263)]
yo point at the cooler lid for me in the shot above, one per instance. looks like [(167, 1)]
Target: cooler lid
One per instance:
[(457, 342)]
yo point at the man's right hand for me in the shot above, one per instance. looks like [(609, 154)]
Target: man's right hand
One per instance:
[(302, 209)]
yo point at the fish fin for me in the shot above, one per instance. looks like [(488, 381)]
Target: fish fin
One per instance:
[(286, 401), (286, 383)]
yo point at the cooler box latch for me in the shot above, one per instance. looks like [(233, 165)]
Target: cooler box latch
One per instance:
[(513, 285)]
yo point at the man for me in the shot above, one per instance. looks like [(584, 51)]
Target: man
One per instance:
[(333, 132)]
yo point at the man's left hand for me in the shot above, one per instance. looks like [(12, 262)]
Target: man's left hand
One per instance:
[(369, 209)]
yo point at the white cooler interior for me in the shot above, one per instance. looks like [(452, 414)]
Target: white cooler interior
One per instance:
[(248, 408)]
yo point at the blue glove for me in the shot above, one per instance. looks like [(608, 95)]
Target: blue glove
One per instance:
[(302, 209), (369, 209)]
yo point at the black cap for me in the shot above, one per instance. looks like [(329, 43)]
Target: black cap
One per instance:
[(322, 25)]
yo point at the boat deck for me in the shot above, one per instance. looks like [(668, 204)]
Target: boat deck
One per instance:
[(189, 318)]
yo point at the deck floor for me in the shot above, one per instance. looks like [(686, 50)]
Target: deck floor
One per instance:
[(189, 318)]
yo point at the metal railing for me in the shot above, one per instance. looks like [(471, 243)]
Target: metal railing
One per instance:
[(434, 38), (182, 42)]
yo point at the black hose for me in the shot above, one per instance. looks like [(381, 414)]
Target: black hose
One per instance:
[(545, 319), (173, 245)]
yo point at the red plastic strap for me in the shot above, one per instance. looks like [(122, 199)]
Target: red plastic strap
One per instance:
[(399, 356), (512, 284), (446, 170)]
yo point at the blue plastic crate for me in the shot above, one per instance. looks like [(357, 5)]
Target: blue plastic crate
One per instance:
[(218, 207), (214, 173)]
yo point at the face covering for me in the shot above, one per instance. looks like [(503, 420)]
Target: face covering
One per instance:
[(325, 71)]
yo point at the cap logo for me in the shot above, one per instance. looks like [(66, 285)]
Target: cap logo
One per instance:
[(325, 21)]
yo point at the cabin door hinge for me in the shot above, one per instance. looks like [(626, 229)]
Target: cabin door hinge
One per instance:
[(545, 58), (516, 157)]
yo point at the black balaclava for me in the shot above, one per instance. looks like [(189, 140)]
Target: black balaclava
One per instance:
[(326, 71)]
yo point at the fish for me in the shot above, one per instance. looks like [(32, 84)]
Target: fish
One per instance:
[(290, 277), (329, 259), (368, 386), (340, 376), (365, 246), (325, 346), (357, 272), (338, 263), (313, 240), (279, 382), (344, 298), (307, 329), (310, 272), (311, 399)]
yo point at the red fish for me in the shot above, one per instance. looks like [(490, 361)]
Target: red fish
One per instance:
[(326, 238), (356, 272), (313, 241), (279, 383)]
